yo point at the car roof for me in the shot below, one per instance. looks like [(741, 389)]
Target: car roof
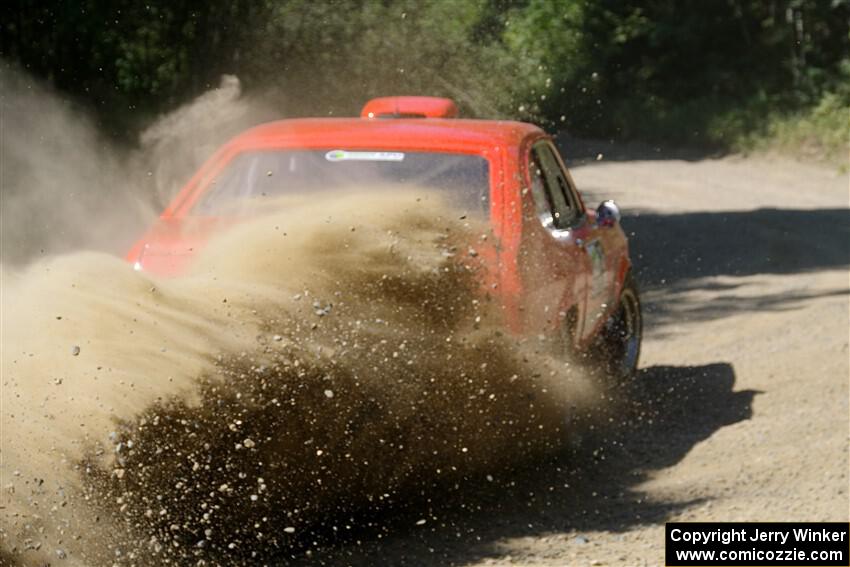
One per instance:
[(427, 134)]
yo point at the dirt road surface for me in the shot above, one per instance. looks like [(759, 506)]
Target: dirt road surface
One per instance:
[(741, 409)]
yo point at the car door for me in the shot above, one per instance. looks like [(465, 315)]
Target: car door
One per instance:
[(554, 263), (602, 246)]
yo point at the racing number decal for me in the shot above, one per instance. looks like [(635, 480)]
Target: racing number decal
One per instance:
[(597, 266)]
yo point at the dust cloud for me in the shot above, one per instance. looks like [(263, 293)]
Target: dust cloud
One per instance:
[(64, 186), (313, 362), (175, 145)]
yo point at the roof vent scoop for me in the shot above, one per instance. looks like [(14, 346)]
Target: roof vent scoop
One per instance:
[(409, 107)]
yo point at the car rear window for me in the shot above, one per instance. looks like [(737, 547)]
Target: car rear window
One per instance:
[(260, 176)]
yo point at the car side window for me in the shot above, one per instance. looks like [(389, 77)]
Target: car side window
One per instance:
[(571, 191), (542, 202), (562, 208)]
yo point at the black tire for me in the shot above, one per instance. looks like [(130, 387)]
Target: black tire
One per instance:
[(620, 340)]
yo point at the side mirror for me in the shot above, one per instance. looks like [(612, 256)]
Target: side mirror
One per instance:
[(607, 214)]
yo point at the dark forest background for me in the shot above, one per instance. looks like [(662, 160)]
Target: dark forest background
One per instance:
[(713, 73)]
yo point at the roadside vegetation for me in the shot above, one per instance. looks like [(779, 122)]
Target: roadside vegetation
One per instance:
[(819, 132), (728, 74)]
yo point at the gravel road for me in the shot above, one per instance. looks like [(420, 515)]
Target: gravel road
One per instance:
[(740, 412)]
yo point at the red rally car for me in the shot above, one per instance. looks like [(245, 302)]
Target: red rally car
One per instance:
[(563, 270)]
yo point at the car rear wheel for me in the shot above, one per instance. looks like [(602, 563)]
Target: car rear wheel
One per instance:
[(622, 334)]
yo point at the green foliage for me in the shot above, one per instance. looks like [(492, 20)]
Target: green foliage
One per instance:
[(821, 132), (619, 66), (722, 73), (331, 57)]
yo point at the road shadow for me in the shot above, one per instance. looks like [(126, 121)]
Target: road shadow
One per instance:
[(670, 249), (675, 254), (579, 151), (592, 486)]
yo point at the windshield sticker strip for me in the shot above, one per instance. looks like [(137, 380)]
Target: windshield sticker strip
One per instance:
[(342, 155)]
